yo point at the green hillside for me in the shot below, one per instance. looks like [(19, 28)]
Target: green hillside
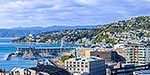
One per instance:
[(138, 24)]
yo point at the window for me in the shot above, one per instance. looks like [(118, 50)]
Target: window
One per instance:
[(70, 62), (86, 62), (97, 55), (82, 65), (86, 66), (17, 73), (82, 62)]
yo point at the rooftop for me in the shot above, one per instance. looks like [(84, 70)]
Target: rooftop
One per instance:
[(143, 72), (50, 70), (89, 58), (136, 44), (17, 69)]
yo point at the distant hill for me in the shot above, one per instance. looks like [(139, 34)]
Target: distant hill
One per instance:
[(134, 28), (20, 32)]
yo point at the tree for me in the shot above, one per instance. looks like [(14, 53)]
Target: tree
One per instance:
[(63, 58)]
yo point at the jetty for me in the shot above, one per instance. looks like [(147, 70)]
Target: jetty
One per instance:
[(41, 52), (45, 50)]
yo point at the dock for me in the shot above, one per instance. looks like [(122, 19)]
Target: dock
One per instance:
[(45, 50), (35, 53)]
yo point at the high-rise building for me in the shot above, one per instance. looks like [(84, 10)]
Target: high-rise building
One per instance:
[(138, 54)]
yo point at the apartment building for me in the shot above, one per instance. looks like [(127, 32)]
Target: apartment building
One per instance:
[(138, 53), (86, 65)]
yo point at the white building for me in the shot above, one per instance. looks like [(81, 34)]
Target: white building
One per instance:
[(91, 65)]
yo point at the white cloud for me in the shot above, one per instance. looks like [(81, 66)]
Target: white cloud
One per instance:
[(56, 12), (87, 2)]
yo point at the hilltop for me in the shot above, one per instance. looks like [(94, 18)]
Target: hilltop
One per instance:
[(134, 28)]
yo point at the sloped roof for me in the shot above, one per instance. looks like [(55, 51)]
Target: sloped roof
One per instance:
[(50, 70)]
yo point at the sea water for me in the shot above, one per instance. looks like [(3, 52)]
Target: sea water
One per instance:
[(6, 47)]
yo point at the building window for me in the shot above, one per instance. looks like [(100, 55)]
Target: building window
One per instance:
[(17, 73), (86, 66), (82, 65), (82, 62), (86, 62), (97, 55)]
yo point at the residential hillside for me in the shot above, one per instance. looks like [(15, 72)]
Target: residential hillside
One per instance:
[(68, 36), (134, 29)]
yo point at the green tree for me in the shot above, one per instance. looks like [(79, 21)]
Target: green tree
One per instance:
[(63, 58)]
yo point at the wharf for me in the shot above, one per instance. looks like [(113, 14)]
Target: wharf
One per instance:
[(46, 50)]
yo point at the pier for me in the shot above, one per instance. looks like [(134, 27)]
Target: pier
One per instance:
[(38, 52), (45, 50), (35, 53)]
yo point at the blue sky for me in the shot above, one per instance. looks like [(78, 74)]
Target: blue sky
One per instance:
[(44, 13)]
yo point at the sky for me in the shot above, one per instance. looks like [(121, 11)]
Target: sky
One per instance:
[(44, 13)]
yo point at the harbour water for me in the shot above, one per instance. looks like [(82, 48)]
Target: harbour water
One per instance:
[(6, 47)]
